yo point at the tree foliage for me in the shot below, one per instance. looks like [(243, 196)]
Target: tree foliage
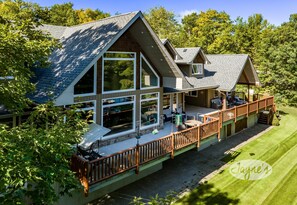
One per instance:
[(63, 15), (35, 156), (272, 48), (212, 27), (277, 61), (88, 15), (164, 23), (22, 47)]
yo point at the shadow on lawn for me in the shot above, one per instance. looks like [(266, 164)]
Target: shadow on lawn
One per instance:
[(208, 195), (282, 112)]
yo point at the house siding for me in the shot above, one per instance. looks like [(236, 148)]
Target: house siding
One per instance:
[(200, 101)]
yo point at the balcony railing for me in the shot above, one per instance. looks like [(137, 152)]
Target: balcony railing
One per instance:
[(92, 172), (243, 110)]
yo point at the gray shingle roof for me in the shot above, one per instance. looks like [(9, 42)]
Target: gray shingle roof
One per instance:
[(206, 82), (226, 68), (80, 46), (187, 54), (55, 31)]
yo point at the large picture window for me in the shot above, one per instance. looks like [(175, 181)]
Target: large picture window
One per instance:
[(87, 110), (119, 71), (149, 110), (118, 115), (149, 78), (86, 84)]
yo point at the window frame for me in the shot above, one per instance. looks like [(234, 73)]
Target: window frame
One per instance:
[(158, 109), (85, 109), (140, 63), (117, 104), (197, 64), (116, 59), (94, 84)]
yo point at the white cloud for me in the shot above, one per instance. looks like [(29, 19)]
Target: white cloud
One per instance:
[(187, 12), (181, 14)]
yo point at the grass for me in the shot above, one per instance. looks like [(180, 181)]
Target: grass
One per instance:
[(277, 147)]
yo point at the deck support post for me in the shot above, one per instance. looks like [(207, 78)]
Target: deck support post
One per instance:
[(248, 93)]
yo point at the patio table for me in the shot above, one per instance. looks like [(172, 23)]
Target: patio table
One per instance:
[(192, 123)]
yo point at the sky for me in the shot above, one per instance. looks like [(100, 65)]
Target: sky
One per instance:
[(275, 11)]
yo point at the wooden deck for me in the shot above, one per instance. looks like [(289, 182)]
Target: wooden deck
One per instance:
[(93, 172)]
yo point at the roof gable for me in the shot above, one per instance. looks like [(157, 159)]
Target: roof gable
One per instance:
[(189, 54), (81, 45), (228, 69)]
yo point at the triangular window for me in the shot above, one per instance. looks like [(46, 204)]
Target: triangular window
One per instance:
[(149, 77), (86, 84)]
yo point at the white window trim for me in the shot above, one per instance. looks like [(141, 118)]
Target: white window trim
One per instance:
[(94, 85), (115, 59), (151, 87), (193, 73), (158, 109), (116, 104), (86, 109)]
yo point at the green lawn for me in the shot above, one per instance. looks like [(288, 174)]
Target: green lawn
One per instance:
[(277, 147)]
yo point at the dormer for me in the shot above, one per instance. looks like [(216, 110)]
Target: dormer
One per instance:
[(192, 61)]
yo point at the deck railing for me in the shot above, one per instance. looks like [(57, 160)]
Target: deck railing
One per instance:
[(243, 110), (228, 114), (253, 107), (92, 172)]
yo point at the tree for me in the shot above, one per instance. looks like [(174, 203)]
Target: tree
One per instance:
[(210, 27), (88, 15), (22, 47), (164, 24), (63, 15), (35, 156), (277, 61), (247, 35)]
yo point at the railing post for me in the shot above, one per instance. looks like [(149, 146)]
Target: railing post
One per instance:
[(265, 103), (172, 145), (198, 136), (247, 109), (235, 113), (137, 160), (219, 131), (204, 118), (257, 106), (85, 178), (221, 119)]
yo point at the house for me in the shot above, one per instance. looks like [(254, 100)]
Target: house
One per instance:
[(134, 83)]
